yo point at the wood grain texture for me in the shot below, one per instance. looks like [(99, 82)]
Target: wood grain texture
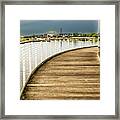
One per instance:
[(70, 75)]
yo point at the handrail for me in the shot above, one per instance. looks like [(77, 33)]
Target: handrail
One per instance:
[(34, 53)]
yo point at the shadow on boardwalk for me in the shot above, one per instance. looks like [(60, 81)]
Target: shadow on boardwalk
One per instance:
[(70, 75)]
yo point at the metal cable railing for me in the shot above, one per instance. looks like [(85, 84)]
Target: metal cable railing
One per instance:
[(34, 53)]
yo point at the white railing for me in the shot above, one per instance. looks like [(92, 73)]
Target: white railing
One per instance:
[(34, 53)]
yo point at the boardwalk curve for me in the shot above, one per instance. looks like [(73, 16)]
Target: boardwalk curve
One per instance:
[(71, 75)]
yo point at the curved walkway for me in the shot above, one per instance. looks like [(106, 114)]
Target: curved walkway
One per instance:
[(70, 75)]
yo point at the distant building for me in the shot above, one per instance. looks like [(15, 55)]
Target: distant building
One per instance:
[(51, 33), (60, 30)]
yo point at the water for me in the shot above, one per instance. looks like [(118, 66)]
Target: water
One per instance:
[(34, 53)]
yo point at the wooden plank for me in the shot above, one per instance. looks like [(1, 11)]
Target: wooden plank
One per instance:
[(65, 85), (61, 89)]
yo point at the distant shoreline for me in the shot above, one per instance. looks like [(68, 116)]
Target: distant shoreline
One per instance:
[(78, 39)]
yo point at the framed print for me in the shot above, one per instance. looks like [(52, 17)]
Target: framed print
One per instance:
[(60, 59)]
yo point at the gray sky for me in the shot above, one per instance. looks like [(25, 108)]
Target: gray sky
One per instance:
[(28, 27)]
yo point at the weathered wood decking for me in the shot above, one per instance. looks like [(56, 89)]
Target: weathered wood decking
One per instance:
[(70, 75)]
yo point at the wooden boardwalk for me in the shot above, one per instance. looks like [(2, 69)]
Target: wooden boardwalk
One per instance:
[(71, 75)]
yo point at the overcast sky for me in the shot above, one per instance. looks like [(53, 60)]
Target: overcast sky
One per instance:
[(30, 27)]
